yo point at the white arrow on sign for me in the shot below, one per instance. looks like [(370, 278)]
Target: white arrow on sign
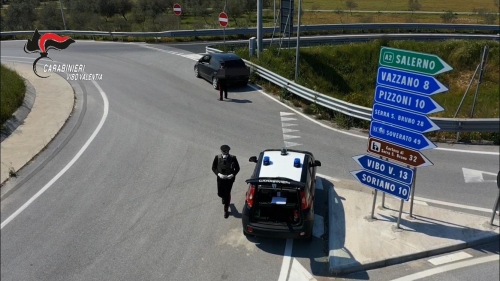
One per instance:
[(476, 175)]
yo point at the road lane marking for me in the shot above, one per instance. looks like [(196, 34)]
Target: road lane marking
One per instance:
[(328, 177), (471, 175), (359, 136), (299, 273), (66, 168), (285, 266), (450, 258), (286, 113), (460, 206), (449, 267)]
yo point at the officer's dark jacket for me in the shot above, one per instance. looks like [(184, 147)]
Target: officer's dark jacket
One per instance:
[(226, 166)]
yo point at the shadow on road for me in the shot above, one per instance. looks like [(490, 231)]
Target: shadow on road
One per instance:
[(238, 100)]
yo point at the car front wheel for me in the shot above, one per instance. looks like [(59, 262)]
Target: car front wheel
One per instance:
[(196, 72), (214, 83)]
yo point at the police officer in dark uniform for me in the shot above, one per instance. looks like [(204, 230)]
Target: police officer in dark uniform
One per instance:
[(222, 82), (225, 167)]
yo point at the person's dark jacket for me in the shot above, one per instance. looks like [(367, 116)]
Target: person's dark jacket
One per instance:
[(234, 168)]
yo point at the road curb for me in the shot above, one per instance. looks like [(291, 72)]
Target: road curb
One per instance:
[(21, 113), (48, 115)]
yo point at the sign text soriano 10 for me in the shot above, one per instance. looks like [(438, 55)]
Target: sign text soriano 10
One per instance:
[(413, 61)]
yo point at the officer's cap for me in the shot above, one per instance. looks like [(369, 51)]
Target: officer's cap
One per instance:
[(225, 147)]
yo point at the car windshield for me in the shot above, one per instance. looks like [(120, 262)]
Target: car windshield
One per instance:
[(234, 63)]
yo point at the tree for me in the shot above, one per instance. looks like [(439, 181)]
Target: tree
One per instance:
[(414, 5), (124, 7), (107, 8), (50, 16), (350, 4), (448, 17), (21, 15), (496, 2)]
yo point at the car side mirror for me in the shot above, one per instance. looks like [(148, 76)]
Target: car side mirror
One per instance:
[(253, 159), (317, 163)]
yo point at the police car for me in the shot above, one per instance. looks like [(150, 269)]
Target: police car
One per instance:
[(280, 195)]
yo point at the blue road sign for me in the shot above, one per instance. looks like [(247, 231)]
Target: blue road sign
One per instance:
[(388, 186), (385, 168), (411, 140), (407, 101), (404, 119), (423, 84)]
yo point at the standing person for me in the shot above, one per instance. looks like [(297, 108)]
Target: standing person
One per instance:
[(225, 167), (222, 81)]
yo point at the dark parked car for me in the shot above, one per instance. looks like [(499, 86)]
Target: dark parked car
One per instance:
[(236, 72), (280, 196)]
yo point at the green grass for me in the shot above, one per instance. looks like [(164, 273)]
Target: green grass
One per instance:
[(348, 72), (12, 91), (402, 5)]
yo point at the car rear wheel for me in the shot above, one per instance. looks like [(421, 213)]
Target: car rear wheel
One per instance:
[(214, 83), (196, 72)]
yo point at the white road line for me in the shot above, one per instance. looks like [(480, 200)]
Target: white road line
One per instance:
[(286, 113), (420, 202), (471, 175), (288, 125), (290, 144), (287, 119), (327, 177), (66, 168), (285, 130), (289, 137), (299, 273), (285, 266), (359, 136), (460, 206), (450, 258), (449, 267)]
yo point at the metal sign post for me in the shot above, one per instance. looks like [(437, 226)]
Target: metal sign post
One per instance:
[(413, 193), (496, 207)]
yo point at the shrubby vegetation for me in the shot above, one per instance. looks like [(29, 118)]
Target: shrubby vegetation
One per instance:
[(12, 91)]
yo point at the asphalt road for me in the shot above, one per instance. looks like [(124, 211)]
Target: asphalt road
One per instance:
[(140, 203)]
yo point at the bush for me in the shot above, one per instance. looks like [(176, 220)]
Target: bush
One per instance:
[(12, 91)]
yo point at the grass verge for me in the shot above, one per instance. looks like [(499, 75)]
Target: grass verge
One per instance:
[(348, 72), (12, 90)]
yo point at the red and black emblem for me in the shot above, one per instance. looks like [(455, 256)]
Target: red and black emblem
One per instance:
[(43, 43)]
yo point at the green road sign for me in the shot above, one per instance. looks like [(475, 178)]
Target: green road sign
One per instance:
[(413, 61)]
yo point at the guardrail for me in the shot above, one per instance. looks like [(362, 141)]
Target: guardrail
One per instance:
[(270, 30), (364, 113)]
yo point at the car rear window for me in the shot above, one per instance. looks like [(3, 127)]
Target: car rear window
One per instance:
[(234, 63)]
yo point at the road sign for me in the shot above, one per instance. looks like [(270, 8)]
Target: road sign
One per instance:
[(404, 119), (223, 19), (385, 169), (388, 186), (412, 61), (397, 153), (404, 100), (399, 136), (419, 83), (177, 9)]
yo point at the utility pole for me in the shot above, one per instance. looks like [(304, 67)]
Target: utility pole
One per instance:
[(297, 49), (62, 13), (274, 14), (259, 28)]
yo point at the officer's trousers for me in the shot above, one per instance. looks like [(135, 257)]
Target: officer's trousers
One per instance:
[(224, 187)]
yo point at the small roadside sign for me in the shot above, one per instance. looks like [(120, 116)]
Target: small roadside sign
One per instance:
[(419, 83), (400, 154), (416, 122), (177, 9), (413, 61), (383, 184), (400, 136), (223, 20), (385, 168), (407, 101)]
